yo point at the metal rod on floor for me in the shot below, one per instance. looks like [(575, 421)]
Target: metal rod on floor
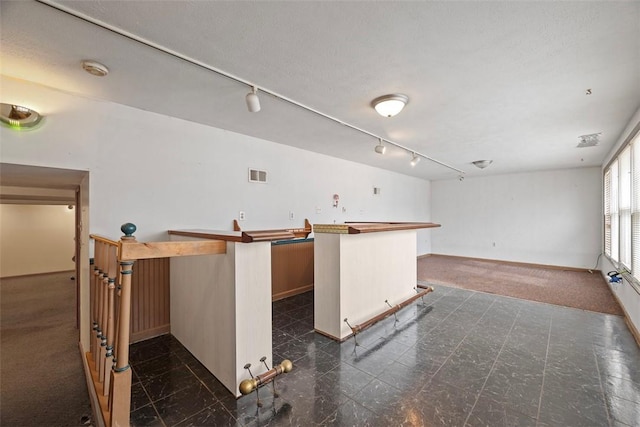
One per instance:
[(359, 328), (249, 385)]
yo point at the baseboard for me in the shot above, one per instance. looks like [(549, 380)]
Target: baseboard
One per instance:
[(632, 328), (332, 337), (634, 331), (519, 264), (424, 256), (96, 412), (291, 292), (150, 333), (71, 272)]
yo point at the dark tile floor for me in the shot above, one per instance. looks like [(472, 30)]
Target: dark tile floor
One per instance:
[(460, 358)]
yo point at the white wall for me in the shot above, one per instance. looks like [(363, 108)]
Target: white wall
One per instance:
[(164, 173), (36, 239), (549, 217), (626, 294)]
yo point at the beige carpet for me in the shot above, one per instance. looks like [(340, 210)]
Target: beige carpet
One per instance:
[(577, 289), (41, 377)]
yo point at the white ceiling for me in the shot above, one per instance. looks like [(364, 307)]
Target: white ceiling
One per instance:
[(486, 80)]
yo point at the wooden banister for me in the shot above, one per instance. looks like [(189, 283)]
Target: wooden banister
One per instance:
[(110, 304)]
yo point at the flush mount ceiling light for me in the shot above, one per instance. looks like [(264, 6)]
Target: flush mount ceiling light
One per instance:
[(415, 160), (482, 163), (390, 105), (95, 68), (253, 102), (590, 140), (19, 117), (380, 148)]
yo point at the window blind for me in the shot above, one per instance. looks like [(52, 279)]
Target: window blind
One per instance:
[(635, 208), (624, 206), (621, 203), (607, 212)]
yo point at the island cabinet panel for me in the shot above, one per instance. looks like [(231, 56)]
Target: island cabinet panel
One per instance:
[(291, 268)]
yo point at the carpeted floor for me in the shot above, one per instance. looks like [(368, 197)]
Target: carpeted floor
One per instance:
[(577, 289), (41, 377)]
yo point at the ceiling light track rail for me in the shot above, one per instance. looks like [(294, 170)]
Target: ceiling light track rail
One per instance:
[(237, 79)]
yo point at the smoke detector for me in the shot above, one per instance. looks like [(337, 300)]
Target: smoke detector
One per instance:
[(590, 140), (95, 68)]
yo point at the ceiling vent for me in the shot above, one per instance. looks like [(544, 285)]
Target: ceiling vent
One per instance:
[(256, 175), (589, 140)]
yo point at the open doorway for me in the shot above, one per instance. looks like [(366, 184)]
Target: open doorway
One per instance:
[(35, 185), (51, 201)]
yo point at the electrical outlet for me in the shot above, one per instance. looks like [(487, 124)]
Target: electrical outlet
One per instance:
[(292, 215), (241, 216), (318, 210)]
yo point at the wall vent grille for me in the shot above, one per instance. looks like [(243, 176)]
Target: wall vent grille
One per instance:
[(256, 175)]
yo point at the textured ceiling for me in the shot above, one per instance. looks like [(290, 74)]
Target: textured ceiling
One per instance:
[(486, 80)]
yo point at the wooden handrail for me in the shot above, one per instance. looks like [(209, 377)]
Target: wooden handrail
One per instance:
[(102, 239), (132, 250)]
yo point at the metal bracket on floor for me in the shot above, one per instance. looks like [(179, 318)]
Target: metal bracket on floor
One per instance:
[(249, 385)]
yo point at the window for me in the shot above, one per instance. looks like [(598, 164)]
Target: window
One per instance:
[(622, 208)]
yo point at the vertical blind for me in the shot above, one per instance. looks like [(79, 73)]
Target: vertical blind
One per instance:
[(622, 208)]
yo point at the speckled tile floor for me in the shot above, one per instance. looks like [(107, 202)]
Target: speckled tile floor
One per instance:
[(460, 358)]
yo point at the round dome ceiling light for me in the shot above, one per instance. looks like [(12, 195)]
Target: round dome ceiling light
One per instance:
[(482, 163), (95, 68), (390, 105), (19, 117)]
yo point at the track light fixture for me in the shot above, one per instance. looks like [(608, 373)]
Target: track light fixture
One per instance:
[(380, 148), (253, 102), (415, 160)]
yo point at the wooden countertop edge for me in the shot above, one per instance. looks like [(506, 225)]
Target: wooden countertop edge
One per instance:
[(373, 227), (236, 236)]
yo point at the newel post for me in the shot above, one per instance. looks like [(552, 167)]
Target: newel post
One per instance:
[(120, 396)]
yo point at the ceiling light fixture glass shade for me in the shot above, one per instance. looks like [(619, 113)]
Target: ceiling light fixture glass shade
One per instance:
[(415, 160), (95, 68), (19, 117), (253, 102), (380, 148), (482, 163), (390, 105)]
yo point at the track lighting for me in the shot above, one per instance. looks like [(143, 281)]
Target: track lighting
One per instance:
[(415, 160), (380, 148), (253, 102)]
